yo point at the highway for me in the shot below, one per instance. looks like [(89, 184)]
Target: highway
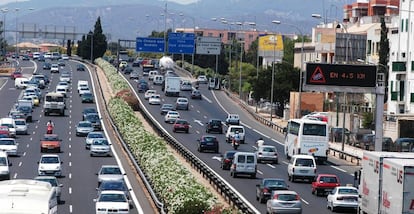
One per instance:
[(79, 169), (216, 104)]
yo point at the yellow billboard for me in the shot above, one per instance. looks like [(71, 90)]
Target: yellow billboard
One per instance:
[(270, 43)]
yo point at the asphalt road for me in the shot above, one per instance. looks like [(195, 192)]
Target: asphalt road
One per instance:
[(216, 104), (79, 169)]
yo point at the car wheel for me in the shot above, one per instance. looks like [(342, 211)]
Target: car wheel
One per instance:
[(174, 130), (253, 176), (234, 175), (289, 178), (262, 200), (317, 192), (293, 178), (333, 209), (186, 131)]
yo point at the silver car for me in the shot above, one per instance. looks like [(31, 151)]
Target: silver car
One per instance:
[(109, 173), (55, 184), (91, 136), (100, 147), (267, 153), (284, 201), (83, 128)]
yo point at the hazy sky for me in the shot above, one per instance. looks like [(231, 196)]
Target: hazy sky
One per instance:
[(180, 1)]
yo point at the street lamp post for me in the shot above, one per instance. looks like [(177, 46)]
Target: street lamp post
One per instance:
[(4, 11), (299, 110), (241, 61)]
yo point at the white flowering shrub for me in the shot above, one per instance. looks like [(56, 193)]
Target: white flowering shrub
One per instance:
[(116, 81), (174, 183)]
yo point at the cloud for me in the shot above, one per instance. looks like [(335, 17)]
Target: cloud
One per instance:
[(4, 2), (182, 1)]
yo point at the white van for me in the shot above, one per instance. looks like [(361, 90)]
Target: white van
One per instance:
[(9, 122), (152, 74), (158, 79), (302, 167), (4, 166), (82, 84), (232, 130), (244, 163), (21, 82)]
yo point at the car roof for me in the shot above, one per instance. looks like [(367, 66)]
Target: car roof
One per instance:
[(284, 192), (304, 156), (327, 175)]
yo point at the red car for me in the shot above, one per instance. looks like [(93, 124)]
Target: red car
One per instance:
[(4, 132), (181, 125), (324, 183), (16, 74)]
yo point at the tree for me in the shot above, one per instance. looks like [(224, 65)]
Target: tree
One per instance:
[(96, 39), (384, 51)]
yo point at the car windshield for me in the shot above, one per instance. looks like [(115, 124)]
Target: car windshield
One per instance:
[(92, 117), (8, 125), (314, 129), (85, 125), (20, 122), (304, 162), (101, 143), (3, 161), (89, 110), (7, 142), (112, 198), (348, 191), (113, 186), (49, 160), (167, 106), (182, 122), (209, 138), (268, 149), (328, 179), (50, 137), (95, 135), (172, 113), (240, 130), (287, 197), (274, 183), (111, 171)]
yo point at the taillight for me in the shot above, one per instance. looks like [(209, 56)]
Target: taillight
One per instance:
[(265, 190), (227, 161), (234, 165), (297, 197)]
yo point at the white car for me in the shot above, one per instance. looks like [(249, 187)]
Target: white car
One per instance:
[(21, 126), (92, 136), (65, 57), (54, 68), (186, 86), (232, 119), (65, 77), (181, 103), (342, 197), (171, 116), (29, 98), (149, 93), (83, 90), (302, 167), (100, 147), (61, 90), (9, 145), (202, 79), (64, 84), (110, 173), (50, 165), (112, 201), (155, 99)]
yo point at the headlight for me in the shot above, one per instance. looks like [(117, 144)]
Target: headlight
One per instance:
[(58, 168), (4, 172), (41, 167)]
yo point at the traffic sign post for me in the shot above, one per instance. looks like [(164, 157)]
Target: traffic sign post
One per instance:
[(208, 45), (145, 44), (181, 43)]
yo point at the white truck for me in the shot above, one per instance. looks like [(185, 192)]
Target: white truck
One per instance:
[(397, 195), (54, 103), (371, 179), (172, 86)]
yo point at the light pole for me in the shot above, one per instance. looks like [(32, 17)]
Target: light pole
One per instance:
[(192, 55), (17, 30), (165, 28), (4, 11), (91, 34), (299, 110), (241, 60)]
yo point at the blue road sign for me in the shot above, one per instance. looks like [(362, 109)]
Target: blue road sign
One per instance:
[(145, 44), (181, 43)]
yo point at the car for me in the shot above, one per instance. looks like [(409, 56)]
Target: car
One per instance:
[(25, 57), (231, 131), (123, 64), (335, 134), (142, 87), (118, 185), (149, 93), (64, 85), (87, 98), (342, 197), (267, 185), (136, 63), (155, 99), (16, 74), (91, 136), (186, 85), (208, 142), (202, 79), (4, 132), (61, 62), (21, 126), (171, 116), (165, 108), (214, 125), (232, 119), (244, 163), (80, 67), (47, 66), (41, 58), (54, 68), (50, 142), (109, 173), (302, 167), (196, 94), (134, 75), (65, 77), (100, 147), (152, 74), (64, 57), (181, 125), (181, 103), (324, 184), (267, 153), (95, 120), (83, 128), (87, 111), (111, 201), (284, 201), (55, 184), (227, 159), (128, 70), (50, 165), (9, 146), (84, 89)]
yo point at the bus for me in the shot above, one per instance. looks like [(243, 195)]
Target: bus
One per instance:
[(309, 137), (26, 196)]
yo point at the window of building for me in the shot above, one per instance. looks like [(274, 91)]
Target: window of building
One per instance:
[(398, 66), (250, 36), (210, 34), (402, 25), (412, 65), (406, 25), (221, 35), (369, 47)]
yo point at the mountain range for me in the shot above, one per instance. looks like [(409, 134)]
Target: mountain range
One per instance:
[(127, 19)]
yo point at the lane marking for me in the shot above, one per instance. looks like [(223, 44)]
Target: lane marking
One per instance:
[(307, 203), (271, 166), (70, 163), (285, 162), (260, 172), (70, 175), (205, 98), (15, 175), (20, 163), (70, 208), (70, 154), (337, 168), (70, 146), (24, 153), (70, 190)]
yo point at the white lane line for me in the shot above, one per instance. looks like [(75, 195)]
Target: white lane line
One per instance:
[(271, 166), (20, 163), (70, 146), (70, 154), (24, 154), (205, 117), (198, 111), (337, 168), (70, 139), (276, 141), (70, 208), (31, 139), (70, 163), (70, 190), (15, 175), (197, 132), (307, 203), (70, 175), (285, 162), (205, 98), (254, 147), (249, 127), (70, 133), (260, 172), (4, 84)]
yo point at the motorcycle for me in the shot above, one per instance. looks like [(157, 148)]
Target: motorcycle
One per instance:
[(235, 144), (49, 129)]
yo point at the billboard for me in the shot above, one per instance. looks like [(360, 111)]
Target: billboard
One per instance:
[(270, 45), (208, 45), (146, 44), (181, 43)]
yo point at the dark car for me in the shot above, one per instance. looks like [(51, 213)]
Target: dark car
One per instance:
[(128, 70), (87, 111), (403, 144), (116, 185), (214, 125), (336, 134), (196, 94), (134, 75), (41, 58), (25, 57), (266, 186), (16, 74), (227, 160), (136, 63), (181, 125), (47, 66), (142, 87), (166, 108), (80, 67), (208, 142), (95, 120), (61, 62), (87, 98)]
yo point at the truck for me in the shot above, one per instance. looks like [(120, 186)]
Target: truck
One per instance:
[(166, 63), (371, 179), (172, 86), (397, 195), (54, 103)]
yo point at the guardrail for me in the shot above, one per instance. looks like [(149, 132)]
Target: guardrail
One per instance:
[(125, 146)]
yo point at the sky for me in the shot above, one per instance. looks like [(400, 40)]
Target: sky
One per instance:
[(180, 1)]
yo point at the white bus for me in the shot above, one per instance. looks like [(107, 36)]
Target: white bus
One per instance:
[(25, 196), (310, 137)]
